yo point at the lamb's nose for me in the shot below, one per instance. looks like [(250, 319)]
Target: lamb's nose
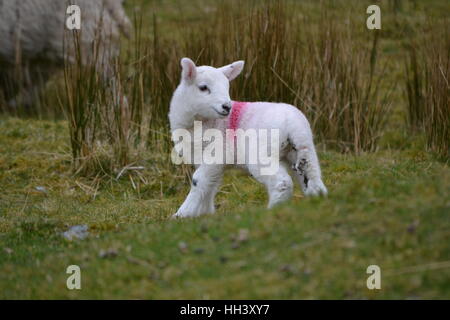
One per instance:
[(226, 107)]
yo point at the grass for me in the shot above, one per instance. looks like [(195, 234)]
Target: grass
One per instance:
[(427, 88), (340, 92), (388, 207)]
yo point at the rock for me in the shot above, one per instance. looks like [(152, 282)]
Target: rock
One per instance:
[(76, 232), (41, 189), (108, 253), (413, 226), (287, 269), (183, 246), (199, 250), (243, 235), (235, 245)]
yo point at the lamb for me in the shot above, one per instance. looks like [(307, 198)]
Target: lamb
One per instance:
[(203, 95), (33, 36)]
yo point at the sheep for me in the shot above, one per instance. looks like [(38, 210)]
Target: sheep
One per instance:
[(203, 95), (34, 42)]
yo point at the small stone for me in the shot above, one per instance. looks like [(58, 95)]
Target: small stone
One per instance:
[(413, 226), (349, 244), (76, 232), (183, 246), (134, 260), (287, 268), (108, 253), (199, 250), (154, 275), (8, 250), (41, 189), (294, 245), (243, 235)]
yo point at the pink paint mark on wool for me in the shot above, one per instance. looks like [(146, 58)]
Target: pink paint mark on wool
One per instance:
[(236, 114)]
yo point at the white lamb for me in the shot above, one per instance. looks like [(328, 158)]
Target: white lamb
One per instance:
[(203, 95)]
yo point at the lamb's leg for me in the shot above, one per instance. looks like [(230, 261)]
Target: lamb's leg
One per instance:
[(211, 196), (299, 175), (279, 185), (200, 200), (305, 165)]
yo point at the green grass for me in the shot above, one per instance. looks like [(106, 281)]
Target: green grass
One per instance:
[(388, 208)]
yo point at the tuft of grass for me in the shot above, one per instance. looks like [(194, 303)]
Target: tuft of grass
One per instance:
[(345, 106), (427, 87), (116, 108)]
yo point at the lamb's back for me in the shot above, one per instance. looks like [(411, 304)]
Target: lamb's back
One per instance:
[(270, 115)]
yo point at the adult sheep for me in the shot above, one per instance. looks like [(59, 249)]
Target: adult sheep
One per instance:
[(34, 41)]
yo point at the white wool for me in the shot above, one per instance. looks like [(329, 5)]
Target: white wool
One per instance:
[(297, 152), (34, 30)]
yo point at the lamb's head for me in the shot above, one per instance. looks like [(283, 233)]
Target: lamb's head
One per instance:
[(205, 90)]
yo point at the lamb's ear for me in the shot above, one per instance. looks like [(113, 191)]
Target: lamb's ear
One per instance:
[(231, 71), (189, 69)]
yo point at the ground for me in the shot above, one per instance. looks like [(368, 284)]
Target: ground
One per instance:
[(388, 208)]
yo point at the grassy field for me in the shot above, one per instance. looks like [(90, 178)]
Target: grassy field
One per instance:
[(389, 208)]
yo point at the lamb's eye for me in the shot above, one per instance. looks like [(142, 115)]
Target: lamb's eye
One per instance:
[(204, 88)]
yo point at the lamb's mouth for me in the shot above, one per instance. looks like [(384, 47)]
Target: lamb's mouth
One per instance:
[(223, 114)]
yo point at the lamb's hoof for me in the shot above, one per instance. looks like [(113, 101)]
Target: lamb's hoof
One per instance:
[(188, 214), (316, 189), (179, 215)]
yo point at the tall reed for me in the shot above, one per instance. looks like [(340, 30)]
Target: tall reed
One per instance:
[(427, 88), (100, 116), (330, 76), (322, 69)]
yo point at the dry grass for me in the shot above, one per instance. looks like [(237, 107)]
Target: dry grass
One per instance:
[(326, 69), (427, 88), (322, 70)]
